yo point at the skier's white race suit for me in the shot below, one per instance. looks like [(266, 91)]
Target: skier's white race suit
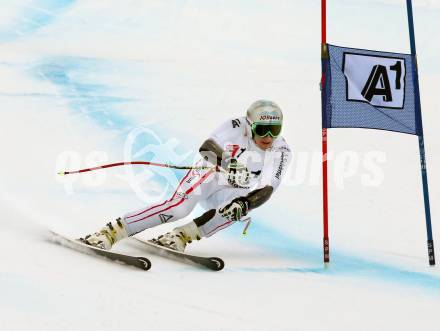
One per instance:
[(210, 188)]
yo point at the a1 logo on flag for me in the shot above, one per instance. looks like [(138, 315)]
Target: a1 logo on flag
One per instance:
[(377, 80)]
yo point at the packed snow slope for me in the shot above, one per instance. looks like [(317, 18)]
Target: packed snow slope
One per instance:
[(88, 82)]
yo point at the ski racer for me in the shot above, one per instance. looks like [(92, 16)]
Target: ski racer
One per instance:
[(249, 159)]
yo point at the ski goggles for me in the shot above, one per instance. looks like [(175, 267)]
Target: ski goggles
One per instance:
[(263, 130)]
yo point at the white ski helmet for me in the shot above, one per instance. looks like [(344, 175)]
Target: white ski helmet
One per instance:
[(264, 118)]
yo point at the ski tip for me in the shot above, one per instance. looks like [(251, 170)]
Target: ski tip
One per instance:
[(145, 263), (218, 263)]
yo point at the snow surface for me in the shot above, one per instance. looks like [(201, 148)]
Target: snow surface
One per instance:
[(85, 82)]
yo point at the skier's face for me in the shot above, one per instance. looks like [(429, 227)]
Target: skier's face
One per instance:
[(263, 142)]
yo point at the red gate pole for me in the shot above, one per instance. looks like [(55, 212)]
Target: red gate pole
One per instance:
[(324, 54)]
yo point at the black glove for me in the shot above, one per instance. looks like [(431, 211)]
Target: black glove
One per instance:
[(235, 210)]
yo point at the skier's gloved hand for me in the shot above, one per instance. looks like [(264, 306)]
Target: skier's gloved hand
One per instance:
[(238, 174), (235, 210)]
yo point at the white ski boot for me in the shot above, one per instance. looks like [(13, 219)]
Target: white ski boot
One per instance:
[(107, 236), (179, 237)]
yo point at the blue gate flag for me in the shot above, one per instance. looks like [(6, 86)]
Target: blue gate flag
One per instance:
[(370, 89)]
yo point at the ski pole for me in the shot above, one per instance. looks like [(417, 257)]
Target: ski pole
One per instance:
[(248, 222), (164, 165)]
